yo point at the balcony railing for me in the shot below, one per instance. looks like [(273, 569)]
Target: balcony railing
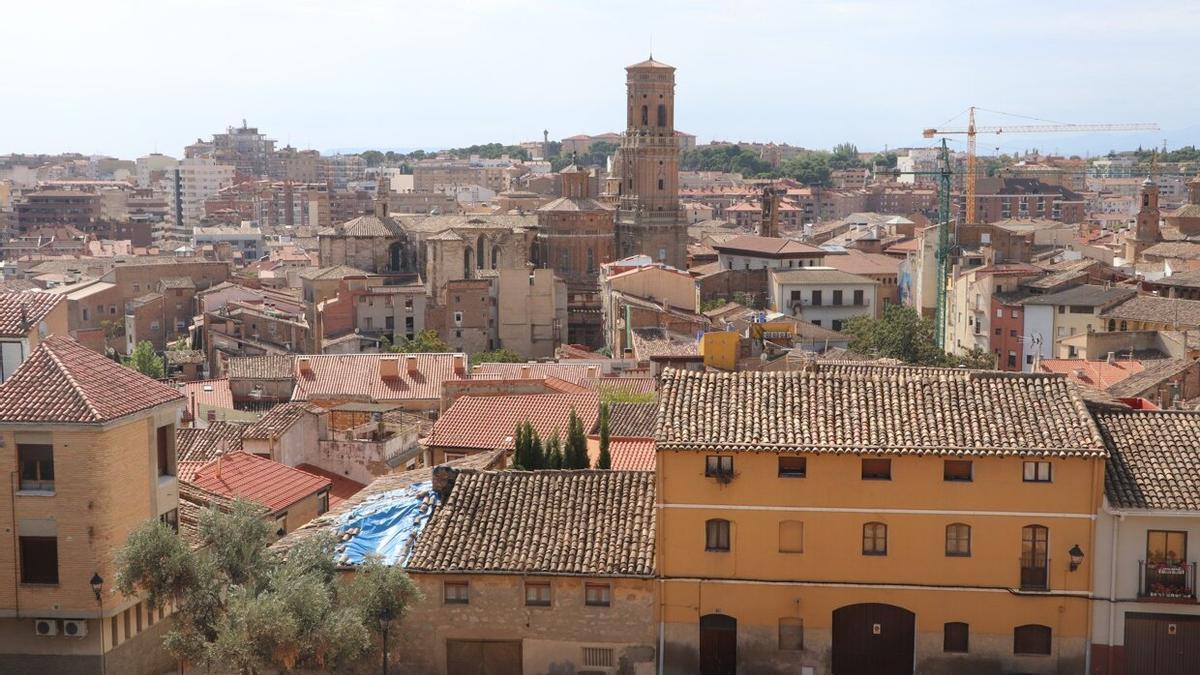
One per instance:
[(1035, 577), (1169, 581)]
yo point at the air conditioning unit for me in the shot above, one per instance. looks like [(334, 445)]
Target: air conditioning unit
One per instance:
[(74, 628), (45, 627)]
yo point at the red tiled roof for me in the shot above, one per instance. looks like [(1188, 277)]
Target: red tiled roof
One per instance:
[(21, 310), (64, 382), (259, 480), (213, 393), (488, 422), (203, 445), (1098, 374), (769, 246), (632, 454), (570, 372), (343, 488), (358, 375)]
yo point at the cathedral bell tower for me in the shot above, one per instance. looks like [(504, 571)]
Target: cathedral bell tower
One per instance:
[(649, 218), (1146, 232)]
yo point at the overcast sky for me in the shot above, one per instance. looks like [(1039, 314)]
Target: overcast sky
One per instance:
[(126, 78)]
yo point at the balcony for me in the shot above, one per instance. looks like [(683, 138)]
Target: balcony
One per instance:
[(1035, 575), (1167, 581)]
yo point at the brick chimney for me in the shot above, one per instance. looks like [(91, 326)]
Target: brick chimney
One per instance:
[(525, 372), (304, 365), (460, 364), (389, 368), (410, 364)]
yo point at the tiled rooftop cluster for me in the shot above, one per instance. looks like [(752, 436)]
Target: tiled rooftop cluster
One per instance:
[(1155, 459)]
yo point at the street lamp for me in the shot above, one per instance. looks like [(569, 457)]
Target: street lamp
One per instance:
[(97, 584), (385, 621), (1076, 554)]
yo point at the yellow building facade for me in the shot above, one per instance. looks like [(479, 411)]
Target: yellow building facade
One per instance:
[(875, 520)]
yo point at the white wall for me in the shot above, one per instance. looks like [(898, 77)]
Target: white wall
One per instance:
[(1039, 320)]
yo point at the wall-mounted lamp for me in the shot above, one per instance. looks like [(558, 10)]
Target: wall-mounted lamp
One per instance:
[(1076, 554)]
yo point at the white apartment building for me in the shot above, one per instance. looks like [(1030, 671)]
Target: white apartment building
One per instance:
[(152, 165), (188, 185), (822, 296), (247, 238)]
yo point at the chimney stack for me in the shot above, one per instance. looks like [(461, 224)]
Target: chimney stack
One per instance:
[(304, 364), (460, 364), (410, 363), (1112, 358), (524, 372), (593, 371), (389, 368)]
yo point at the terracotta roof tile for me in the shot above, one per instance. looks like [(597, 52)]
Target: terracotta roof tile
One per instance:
[(279, 419), (595, 523), (488, 422), (204, 445), (621, 384), (1155, 459), (512, 371), (260, 367), (64, 382), (22, 309), (879, 409), (632, 419), (259, 480), (358, 375), (214, 393), (632, 454), (1157, 309)]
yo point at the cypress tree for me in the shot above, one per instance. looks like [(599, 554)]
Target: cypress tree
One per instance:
[(537, 457), (604, 461), (520, 447), (575, 452), (554, 455)]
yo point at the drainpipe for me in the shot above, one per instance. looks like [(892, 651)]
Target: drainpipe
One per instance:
[(1112, 584), (662, 590)]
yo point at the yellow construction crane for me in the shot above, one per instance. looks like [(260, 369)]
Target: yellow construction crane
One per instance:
[(972, 130)]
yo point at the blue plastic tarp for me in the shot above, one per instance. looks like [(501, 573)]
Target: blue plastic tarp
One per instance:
[(387, 525)]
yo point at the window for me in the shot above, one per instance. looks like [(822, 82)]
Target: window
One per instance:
[(645, 115), (791, 536), (455, 593), (717, 466), (322, 502), (1035, 551), (858, 298), (662, 115), (874, 539), (836, 324), (791, 634), (816, 298), (958, 540), (39, 560), (597, 595), (1031, 639), (837, 297), (793, 467), (955, 637), (1037, 472), (171, 519), (163, 446), (37, 466), (660, 184), (537, 594), (956, 470), (1166, 546), (877, 469), (716, 535)]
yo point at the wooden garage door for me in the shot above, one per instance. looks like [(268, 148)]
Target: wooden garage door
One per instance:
[(483, 657), (873, 639), (1161, 644)]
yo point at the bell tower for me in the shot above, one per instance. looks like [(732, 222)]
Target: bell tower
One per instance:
[(1146, 232), (649, 218)]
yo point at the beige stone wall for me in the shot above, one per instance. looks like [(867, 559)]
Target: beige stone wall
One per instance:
[(552, 637)]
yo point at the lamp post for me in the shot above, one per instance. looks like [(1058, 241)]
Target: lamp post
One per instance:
[(1076, 554), (385, 621), (97, 584)]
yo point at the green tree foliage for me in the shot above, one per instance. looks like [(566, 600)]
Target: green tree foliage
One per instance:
[(884, 160), (528, 453), (575, 454), (604, 460), (372, 157), (554, 453), (730, 158), (424, 342), (905, 335), (845, 156), (242, 607), (144, 360), (537, 454), (497, 356), (810, 168)]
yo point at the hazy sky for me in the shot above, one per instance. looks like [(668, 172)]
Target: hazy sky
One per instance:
[(125, 78)]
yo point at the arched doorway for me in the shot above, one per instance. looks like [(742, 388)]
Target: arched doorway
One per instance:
[(718, 644), (873, 639)]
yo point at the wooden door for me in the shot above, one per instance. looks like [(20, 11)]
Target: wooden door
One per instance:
[(873, 639), (1161, 644), (1035, 557), (482, 657), (718, 645)]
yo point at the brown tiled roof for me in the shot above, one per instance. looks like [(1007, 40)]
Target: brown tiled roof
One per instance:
[(632, 419), (594, 523), (21, 310), (854, 408), (279, 419), (1154, 459), (358, 375), (333, 272), (64, 382), (818, 275), (260, 367), (621, 384), (1154, 373), (488, 422), (767, 246), (1186, 250), (215, 393), (570, 372), (203, 445), (1157, 309)]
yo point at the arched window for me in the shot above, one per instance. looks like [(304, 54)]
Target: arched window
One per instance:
[(495, 256), (481, 247), (645, 115), (716, 535), (1124, 326), (467, 263), (958, 539), (1032, 638), (662, 115), (1112, 325), (874, 539), (591, 261)]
